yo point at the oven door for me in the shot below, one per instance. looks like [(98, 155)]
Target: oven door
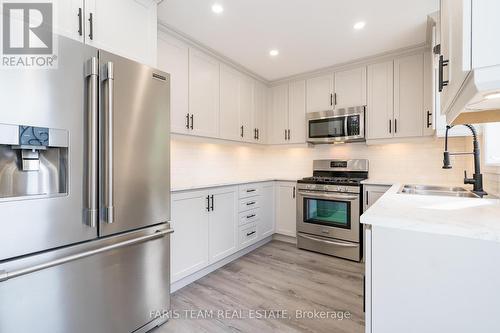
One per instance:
[(326, 214)]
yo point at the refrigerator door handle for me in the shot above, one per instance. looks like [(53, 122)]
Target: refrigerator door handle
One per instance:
[(4, 275), (108, 78), (91, 204)]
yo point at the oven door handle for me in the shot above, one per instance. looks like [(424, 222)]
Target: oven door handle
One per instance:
[(329, 242), (312, 194)]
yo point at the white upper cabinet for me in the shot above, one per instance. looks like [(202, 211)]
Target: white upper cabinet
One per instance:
[(260, 112), (69, 17), (380, 108), (278, 121), (203, 94), (297, 112), (319, 93), (350, 88), (455, 47), (247, 129), (288, 115), (469, 60), (124, 27), (173, 58), (429, 94), (408, 96), (229, 103), (236, 106)]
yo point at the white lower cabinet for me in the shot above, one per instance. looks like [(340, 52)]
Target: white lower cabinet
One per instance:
[(189, 242), (267, 211), (222, 223), (448, 280), (371, 193), (212, 224), (286, 208)]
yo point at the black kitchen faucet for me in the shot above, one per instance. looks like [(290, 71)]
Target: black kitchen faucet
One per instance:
[(477, 178)]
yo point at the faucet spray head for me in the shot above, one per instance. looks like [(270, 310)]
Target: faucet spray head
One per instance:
[(446, 160)]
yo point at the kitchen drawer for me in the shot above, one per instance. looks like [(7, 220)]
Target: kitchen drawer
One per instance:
[(249, 203), (248, 235), (249, 190), (249, 216)]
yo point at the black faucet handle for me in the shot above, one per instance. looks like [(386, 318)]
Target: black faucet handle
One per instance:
[(468, 180)]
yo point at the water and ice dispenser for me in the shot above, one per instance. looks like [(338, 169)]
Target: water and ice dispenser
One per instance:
[(33, 161)]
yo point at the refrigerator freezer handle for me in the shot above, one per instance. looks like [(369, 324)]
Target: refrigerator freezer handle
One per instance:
[(90, 195), (108, 78), (4, 275)]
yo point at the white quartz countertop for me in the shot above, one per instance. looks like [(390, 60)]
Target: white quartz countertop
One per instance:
[(228, 183), (465, 217)]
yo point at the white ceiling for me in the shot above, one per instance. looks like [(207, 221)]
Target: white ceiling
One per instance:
[(310, 34)]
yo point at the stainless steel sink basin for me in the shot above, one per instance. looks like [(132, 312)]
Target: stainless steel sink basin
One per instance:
[(447, 191), (435, 188)]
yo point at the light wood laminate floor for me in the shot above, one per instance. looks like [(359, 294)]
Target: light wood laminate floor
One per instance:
[(274, 277)]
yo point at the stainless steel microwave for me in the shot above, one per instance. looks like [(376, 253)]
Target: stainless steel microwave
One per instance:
[(341, 125)]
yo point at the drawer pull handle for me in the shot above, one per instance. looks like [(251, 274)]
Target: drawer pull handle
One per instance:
[(251, 190), (250, 233), (250, 216), (250, 203)]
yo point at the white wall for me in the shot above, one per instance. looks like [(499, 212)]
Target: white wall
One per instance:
[(198, 161)]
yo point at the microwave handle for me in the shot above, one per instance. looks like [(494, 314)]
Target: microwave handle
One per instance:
[(346, 129)]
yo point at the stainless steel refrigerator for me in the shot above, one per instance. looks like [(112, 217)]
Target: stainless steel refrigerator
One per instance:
[(84, 195)]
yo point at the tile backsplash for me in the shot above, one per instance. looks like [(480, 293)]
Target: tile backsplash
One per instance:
[(198, 161)]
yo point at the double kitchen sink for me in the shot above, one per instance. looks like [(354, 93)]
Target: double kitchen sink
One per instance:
[(448, 191)]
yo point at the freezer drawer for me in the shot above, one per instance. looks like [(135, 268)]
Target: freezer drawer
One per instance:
[(109, 285)]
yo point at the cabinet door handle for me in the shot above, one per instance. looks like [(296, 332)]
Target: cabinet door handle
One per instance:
[(192, 121), (208, 203), (250, 216), (250, 233), (251, 203), (251, 190), (212, 197), (80, 22), (331, 99), (395, 125), (293, 192), (255, 134), (288, 135), (242, 129), (335, 99), (285, 136), (442, 83), (429, 123), (91, 26), (258, 134), (187, 121), (390, 125), (366, 198)]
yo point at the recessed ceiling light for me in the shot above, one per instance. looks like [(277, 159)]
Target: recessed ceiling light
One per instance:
[(217, 8), (494, 95), (274, 53), (359, 25)]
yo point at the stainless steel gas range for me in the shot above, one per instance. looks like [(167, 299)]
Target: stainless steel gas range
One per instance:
[(329, 206)]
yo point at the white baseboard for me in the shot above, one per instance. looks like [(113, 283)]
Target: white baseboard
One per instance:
[(285, 238), (209, 269)]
